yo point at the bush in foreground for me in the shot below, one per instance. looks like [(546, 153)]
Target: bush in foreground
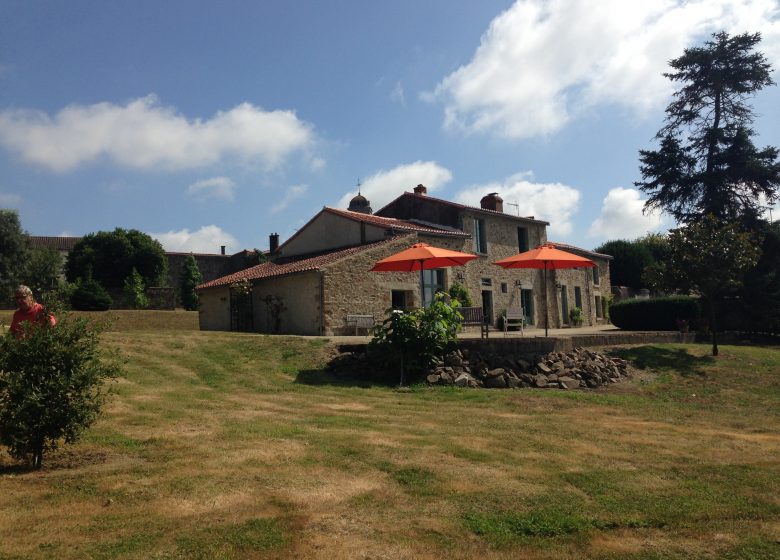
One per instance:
[(656, 314), (51, 386)]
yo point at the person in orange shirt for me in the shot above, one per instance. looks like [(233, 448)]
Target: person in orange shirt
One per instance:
[(29, 311)]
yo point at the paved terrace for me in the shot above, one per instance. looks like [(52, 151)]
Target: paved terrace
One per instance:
[(559, 340)]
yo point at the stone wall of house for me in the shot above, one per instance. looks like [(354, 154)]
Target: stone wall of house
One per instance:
[(350, 289), (592, 294), (482, 275), (214, 309), (288, 304)]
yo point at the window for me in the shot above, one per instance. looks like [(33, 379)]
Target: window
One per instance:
[(399, 300), (433, 281), (578, 297), (595, 275), (486, 282), (599, 313), (504, 287), (522, 239), (480, 237)]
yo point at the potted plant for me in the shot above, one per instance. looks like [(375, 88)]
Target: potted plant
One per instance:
[(575, 317)]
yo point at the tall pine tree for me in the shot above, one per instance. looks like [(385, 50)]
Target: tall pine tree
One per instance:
[(707, 163)]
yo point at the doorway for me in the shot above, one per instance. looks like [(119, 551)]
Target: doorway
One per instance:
[(487, 306), (564, 306)]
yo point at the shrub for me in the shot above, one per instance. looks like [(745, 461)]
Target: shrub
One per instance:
[(51, 386), (89, 295), (657, 314), (459, 293), (414, 340), (575, 316), (135, 292)]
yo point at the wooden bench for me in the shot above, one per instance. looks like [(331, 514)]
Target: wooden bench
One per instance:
[(474, 317), (513, 316), (361, 322)]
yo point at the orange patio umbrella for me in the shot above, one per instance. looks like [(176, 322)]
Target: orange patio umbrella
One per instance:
[(422, 256), (545, 257)]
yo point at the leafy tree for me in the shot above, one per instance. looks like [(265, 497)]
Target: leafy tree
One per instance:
[(13, 252), (110, 258), (190, 277), (706, 162), (135, 291), (415, 338), (709, 258), (761, 291), (51, 386), (42, 270), (630, 260)]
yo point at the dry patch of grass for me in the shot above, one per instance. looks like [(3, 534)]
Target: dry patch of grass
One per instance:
[(214, 447), (120, 320)]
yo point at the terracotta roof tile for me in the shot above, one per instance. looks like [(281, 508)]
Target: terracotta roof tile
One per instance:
[(566, 246), (465, 207), (270, 270), (52, 242), (395, 223)]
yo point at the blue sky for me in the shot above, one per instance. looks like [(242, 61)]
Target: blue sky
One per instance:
[(217, 123)]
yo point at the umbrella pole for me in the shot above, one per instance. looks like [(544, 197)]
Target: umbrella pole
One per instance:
[(422, 289), (546, 307)]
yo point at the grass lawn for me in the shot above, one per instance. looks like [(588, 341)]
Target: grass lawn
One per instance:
[(227, 445), (131, 320)]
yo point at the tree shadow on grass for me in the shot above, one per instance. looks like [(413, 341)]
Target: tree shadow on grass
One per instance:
[(320, 377), (17, 468), (656, 358)]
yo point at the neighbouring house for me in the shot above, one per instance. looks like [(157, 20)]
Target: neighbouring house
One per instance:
[(321, 274)]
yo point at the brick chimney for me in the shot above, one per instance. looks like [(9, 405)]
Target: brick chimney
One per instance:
[(221, 249), (273, 243), (492, 202), (420, 189)]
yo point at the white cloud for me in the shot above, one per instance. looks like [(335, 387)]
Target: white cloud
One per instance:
[(552, 202), (9, 200), (398, 94), (216, 187), (145, 135), (385, 185), (622, 218), (542, 63), (292, 193), (207, 239)]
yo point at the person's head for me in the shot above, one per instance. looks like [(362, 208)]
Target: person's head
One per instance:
[(24, 298)]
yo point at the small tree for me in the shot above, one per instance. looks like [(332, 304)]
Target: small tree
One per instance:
[(190, 277), (709, 258), (89, 295), (135, 291), (51, 386), (417, 338)]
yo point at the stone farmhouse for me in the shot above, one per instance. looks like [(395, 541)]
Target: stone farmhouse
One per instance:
[(320, 275)]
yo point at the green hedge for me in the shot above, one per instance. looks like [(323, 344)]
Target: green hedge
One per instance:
[(656, 314)]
